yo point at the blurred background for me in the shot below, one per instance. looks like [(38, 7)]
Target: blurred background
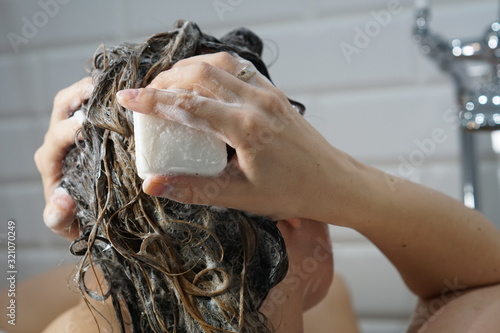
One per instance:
[(374, 96)]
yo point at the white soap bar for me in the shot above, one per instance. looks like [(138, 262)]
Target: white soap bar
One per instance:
[(164, 147)]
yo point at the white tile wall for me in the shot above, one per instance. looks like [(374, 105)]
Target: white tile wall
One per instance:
[(16, 84), (374, 106), (21, 202), (19, 139), (306, 51), (61, 67), (213, 15), (381, 124), (377, 289), (60, 23)]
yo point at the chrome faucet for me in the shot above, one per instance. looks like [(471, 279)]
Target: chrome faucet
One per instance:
[(475, 68)]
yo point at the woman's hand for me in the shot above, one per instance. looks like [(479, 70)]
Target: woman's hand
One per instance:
[(59, 212), (281, 162)]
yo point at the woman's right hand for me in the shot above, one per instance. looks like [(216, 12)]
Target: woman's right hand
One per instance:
[(59, 212), (282, 167)]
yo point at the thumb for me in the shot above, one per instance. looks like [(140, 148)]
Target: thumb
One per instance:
[(215, 191)]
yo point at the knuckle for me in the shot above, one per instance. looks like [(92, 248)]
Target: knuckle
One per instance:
[(269, 100), (84, 85), (190, 103), (186, 102), (225, 57), (202, 70), (60, 96), (149, 98), (251, 122), (160, 77), (279, 94)]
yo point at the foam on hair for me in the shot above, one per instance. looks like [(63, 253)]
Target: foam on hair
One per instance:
[(169, 267)]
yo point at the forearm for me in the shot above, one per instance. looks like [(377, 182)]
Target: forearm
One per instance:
[(434, 241), (295, 172)]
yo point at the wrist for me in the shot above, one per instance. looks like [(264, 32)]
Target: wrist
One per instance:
[(343, 194)]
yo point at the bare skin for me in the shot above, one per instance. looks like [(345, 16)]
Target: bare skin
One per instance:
[(334, 314), (284, 305), (438, 245), (36, 300), (59, 211), (68, 313)]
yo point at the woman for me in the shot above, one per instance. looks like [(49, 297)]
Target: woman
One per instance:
[(162, 266), (282, 168)]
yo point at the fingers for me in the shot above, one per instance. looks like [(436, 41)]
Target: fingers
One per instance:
[(223, 190), (267, 134), (211, 75), (234, 188), (50, 156), (186, 108), (69, 99), (59, 214), (222, 60), (62, 133)]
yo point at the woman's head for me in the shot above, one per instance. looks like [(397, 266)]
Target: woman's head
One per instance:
[(169, 267)]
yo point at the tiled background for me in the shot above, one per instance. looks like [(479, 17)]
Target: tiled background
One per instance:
[(374, 106)]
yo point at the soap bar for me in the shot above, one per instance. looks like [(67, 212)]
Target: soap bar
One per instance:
[(165, 147)]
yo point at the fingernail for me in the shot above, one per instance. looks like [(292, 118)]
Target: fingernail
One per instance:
[(155, 188), (52, 217), (60, 209), (127, 94), (62, 199)]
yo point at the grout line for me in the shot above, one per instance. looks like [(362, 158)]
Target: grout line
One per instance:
[(360, 88), (316, 15)]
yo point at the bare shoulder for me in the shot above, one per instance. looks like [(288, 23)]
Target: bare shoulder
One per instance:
[(462, 310), (335, 313), (74, 319), (81, 319)]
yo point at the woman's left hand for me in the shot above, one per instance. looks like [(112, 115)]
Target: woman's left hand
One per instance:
[(59, 212)]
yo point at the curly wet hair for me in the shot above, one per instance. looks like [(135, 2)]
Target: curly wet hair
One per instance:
[(168, 267)]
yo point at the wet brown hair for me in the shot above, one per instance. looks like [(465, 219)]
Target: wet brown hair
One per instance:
[(168, 267)]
